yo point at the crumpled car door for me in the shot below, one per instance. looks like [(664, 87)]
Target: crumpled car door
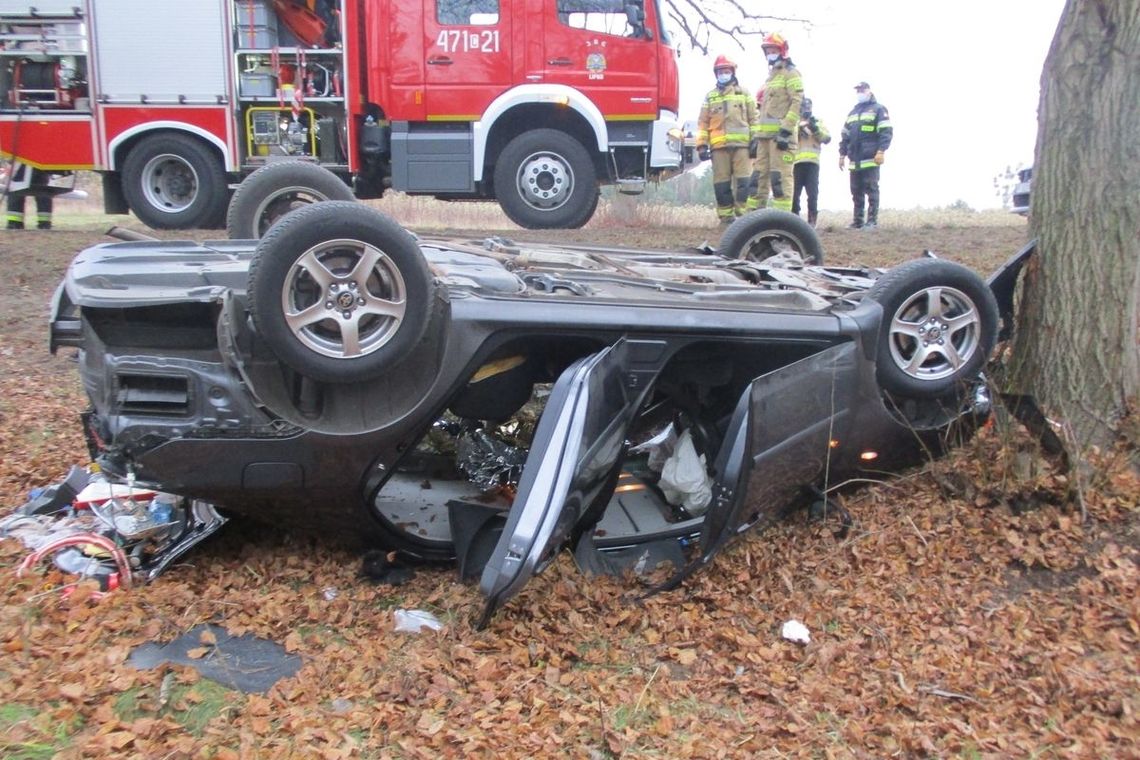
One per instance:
[(572, 461), (777, 442)]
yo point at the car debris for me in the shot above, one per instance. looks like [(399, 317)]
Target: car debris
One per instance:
[(116, 533), (795, 631), (414, 621), (483, 402), (246, 663)]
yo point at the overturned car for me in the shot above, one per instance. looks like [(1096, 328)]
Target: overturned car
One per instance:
[(491, 402)]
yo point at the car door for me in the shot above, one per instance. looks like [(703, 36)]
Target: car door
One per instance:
[(779, 440), (594, 46), (467, 56), (572, 462)]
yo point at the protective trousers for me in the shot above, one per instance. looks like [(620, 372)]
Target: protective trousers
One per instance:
[(15, 215), (807, 178), (731, 172), (776, 165), (865, 184)]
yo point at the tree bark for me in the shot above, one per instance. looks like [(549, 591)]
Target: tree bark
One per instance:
[(1076, 346)]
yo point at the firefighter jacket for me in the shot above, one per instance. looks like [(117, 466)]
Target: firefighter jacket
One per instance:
[(813, 135), (783, 96), (866, 132), (728, 118)]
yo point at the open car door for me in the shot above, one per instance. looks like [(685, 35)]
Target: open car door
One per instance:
[(572, 464), (778, 440)]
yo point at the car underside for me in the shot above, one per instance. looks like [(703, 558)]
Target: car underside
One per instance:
[(491, 402)]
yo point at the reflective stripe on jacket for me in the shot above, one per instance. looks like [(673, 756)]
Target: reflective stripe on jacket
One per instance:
[(811, 141), (728, 118), (866, 131), (783, 96)]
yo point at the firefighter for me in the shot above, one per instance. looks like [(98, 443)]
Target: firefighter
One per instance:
[(37, 187), (726, 132), (866, 136), (779, 119), (812, 136)]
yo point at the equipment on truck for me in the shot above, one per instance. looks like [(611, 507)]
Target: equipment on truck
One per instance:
[(175, 103)]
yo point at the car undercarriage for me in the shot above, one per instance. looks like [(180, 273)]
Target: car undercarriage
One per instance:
[(491, 403)]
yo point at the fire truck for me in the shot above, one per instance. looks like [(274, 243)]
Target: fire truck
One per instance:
[(533, 103)]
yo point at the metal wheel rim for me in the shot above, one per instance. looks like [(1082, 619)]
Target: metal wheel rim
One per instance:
[(934, 333), (281, 202), (169, 183), (545, 181), (765, 245), (344, 299)]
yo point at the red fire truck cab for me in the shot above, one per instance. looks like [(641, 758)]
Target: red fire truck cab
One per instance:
[(533, 103)]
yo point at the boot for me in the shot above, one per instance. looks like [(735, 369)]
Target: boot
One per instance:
[(811, 219), (15, 225)]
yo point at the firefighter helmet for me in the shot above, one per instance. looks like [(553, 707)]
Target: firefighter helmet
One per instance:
[(777, 41), (724, 62)]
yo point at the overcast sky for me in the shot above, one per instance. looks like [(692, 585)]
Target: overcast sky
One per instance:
[(961, 80)]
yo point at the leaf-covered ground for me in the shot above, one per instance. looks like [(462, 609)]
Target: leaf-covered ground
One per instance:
[(970, 611)]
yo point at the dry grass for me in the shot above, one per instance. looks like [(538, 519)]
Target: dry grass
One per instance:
[(632, 212)]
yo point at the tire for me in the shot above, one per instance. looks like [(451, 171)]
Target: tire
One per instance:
[(760, 235), (940, 322), (388, 308), (545, 179), (175, 182), (276, 189)]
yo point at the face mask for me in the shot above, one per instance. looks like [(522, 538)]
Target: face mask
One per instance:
[(773, 58), (862, 97), (723, 77)]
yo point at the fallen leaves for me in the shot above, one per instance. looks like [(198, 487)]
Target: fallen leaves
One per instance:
[(964, 615)]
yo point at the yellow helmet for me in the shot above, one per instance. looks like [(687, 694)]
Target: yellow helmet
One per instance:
[(777, 41)]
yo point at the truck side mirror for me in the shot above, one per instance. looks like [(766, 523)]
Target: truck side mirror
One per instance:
[(635, 14)]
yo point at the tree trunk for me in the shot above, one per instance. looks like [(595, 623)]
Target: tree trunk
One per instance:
[(1076, 346)]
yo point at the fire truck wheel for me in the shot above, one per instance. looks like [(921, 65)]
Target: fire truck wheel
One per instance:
[(760, 235), (340, 292), (544, 179), (276, 189), (175, 182)]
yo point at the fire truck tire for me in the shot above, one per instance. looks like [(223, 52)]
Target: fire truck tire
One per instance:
[(545, 179), (175, 182), (340, 292), (276, 189)]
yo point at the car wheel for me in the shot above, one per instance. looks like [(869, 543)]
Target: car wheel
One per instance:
[(340, 292), (545, 179), (276, 189), (760, 235), (939, 325), (175, 182)]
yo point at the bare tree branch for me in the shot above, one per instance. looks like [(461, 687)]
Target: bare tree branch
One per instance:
[(703, 21)]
